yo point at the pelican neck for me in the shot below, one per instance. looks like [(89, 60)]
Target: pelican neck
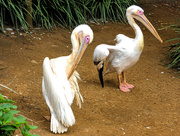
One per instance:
[(139, 38)]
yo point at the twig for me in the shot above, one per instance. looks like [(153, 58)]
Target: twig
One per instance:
[(5, 96), (8, 88), (11, 81)]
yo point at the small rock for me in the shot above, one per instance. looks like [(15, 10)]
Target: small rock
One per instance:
[(34, 62), (9, 29), (148, 127), (54, 45)]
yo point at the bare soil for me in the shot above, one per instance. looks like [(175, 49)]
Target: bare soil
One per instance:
[(152, 108)]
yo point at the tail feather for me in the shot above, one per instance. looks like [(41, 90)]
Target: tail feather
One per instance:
[(57, 127)]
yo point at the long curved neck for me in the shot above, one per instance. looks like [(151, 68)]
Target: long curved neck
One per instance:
[(139, 39), (72, 57), (75, 49)]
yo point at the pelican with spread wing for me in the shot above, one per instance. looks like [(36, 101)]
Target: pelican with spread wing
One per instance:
[(60, 81), (127, 50)]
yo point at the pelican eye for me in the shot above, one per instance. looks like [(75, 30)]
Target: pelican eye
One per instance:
[(87, 38), (140, 12)]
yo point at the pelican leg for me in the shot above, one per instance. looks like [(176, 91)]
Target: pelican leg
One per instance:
[(121, 86), (124, 83)]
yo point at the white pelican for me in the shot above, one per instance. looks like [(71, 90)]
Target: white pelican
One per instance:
[(127, 50), (59, 83)]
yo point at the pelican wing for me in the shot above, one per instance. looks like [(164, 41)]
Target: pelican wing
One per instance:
[(57, 93), (101, 54)]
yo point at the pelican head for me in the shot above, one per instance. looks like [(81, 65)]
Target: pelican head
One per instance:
[(138, 13), (81, 37)]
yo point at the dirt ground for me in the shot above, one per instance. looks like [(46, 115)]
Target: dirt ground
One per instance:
[(152, 108)]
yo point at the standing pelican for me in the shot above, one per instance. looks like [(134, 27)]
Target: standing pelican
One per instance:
[(59, 83), (126, 52)]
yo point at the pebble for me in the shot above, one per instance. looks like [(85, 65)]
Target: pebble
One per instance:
[(34, 62), (54, 45), (9, 29)]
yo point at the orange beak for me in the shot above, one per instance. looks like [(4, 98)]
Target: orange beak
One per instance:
[(142, 18)]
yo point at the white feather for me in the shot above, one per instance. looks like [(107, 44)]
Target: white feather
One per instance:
[(58, 90), (58, 94), (127, 51)]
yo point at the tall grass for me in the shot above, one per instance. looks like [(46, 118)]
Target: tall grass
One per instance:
[(66, 13), (174, 55), (174, 50), (114, 10), (13, 12)]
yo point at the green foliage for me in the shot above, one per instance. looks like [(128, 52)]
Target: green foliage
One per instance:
[(13, 12), (66, 13), (9, 123), (174, 50), (114, 10), (174, 54)]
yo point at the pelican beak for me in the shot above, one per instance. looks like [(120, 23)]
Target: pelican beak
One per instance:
[(142, 18), (83, 47), (100, 67), (100, 71)]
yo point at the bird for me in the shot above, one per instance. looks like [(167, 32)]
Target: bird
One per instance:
[(60, 81), (126, 51)]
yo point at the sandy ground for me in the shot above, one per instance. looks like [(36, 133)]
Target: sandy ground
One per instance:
[(152, 108)]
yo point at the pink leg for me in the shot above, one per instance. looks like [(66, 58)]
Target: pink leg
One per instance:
[(124, 83), (121, 87)]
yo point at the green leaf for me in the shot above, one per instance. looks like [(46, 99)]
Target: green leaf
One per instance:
[(32, 127), (19, 120), (25, 130), (1, 112), (8, 106), (1, 97), (8, 117), (26, 127), (33, 135), (16, 125), (6, 101), (8, 128), (173, 39)]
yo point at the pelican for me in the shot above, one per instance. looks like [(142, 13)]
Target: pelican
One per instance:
[(59, 83), (127, 50)]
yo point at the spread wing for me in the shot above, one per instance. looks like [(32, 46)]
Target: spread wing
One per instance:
[(57, 92)]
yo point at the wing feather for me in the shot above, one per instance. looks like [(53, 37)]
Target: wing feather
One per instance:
[(58, 94), (101, 54)]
